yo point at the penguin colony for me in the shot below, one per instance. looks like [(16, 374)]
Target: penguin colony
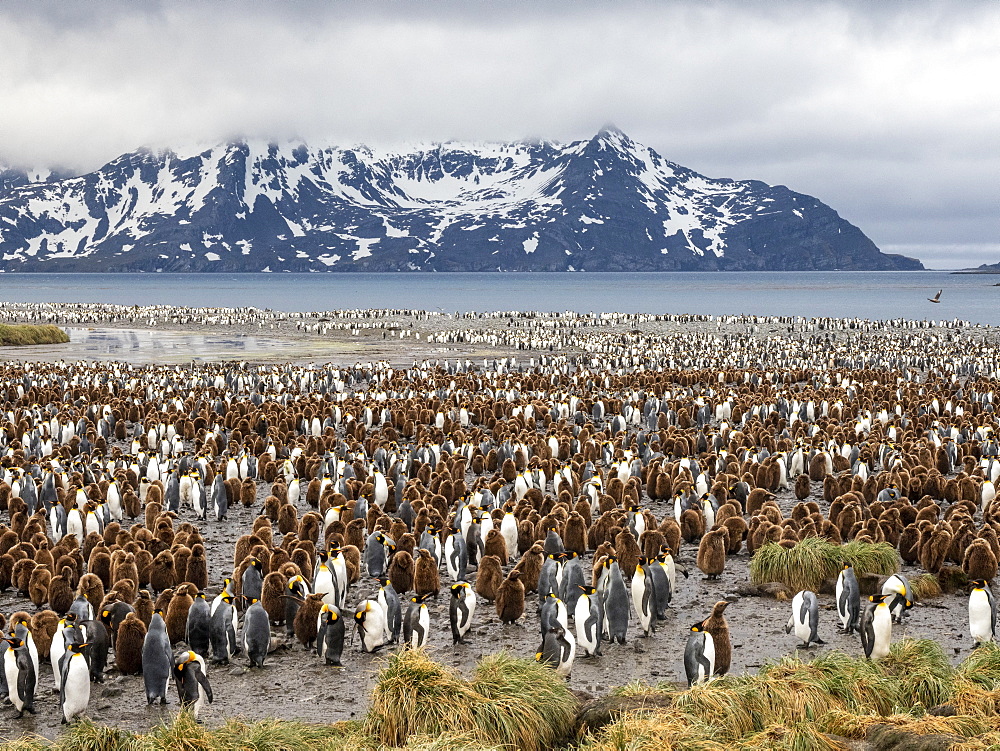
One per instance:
[(565, 493)]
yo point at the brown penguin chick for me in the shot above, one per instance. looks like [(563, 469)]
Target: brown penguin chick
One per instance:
[(144, 607), (692, 524), (510, 598), (717, 626), (489, 577), (802, 487), (177, 613), (162, 601), (306, 618), (6, 571), (61, 594), (92, 588), (712, 552), (979, 561), (248, 492), (127, 569), (22, 575), (355, 534), (671, 531), (628, 553), (575, 534), (131, 503), (197, 568), (426, 578), (128, 645), (736, 526), (100, 566), (909, 540), (181, 555), (272, 597), (288, 520), (496, 545), (401, 572), (161, 573), (352, 557), (933, 553), (530, 566), (43, 627), (38, 586), (650, 542)]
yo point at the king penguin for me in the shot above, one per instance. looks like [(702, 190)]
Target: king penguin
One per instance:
[(461, 610), (74, 695), (876, 628), (330, 631), (256, 633), (193, 688), (223, 625), (982, 613), (900, 594), (699, 656), (370, 620), (616, 610), (21, 677), (588, 619), (644, 597), (558, 650), (157, 660), (805, 618), (848, 600), (416, 623)]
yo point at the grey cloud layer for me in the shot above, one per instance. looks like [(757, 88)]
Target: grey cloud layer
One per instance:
[(887, 112)]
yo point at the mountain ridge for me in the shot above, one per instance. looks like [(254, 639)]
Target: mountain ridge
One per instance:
[(602, 204)]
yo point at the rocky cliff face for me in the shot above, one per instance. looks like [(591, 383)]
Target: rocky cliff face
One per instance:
[(604, 204)]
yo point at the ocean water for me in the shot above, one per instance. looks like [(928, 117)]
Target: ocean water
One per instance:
[(875, 295)]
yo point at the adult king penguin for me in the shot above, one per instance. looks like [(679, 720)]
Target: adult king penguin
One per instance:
[(193, 688), (461, 610), (805, 618), (848, 600), (21, 677), (699, 655), (876, 628), (982, 613)]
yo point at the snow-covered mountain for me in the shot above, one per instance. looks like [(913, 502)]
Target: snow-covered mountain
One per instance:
[(604, 204)]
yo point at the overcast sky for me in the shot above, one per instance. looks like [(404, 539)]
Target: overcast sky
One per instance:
[(887, 111)]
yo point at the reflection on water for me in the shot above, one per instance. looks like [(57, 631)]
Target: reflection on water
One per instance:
[(122, 342), (141, 346)]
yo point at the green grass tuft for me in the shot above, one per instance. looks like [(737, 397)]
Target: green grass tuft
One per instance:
[(982, 667), (20, 335), (816, 559)]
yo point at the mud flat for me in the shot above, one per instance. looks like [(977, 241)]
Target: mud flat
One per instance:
[(684, 365)]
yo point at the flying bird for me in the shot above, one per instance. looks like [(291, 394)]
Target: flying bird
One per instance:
[(936, 298)]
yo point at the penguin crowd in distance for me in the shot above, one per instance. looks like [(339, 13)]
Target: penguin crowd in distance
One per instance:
[(387, 508)]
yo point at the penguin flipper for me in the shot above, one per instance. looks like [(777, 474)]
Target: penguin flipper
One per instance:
[(203, 681)]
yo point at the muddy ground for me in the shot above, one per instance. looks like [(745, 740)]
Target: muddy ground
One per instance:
[(294, 684)]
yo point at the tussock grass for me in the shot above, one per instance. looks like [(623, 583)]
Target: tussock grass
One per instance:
[(415, 695), (815, 559), (510, 703), (523, 703), (15, 742), (20, 335), (855, 726), (448, 742), (982, 667), (87, 736), (792, 704), (802, 736), (924, 673), (925, 587)]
